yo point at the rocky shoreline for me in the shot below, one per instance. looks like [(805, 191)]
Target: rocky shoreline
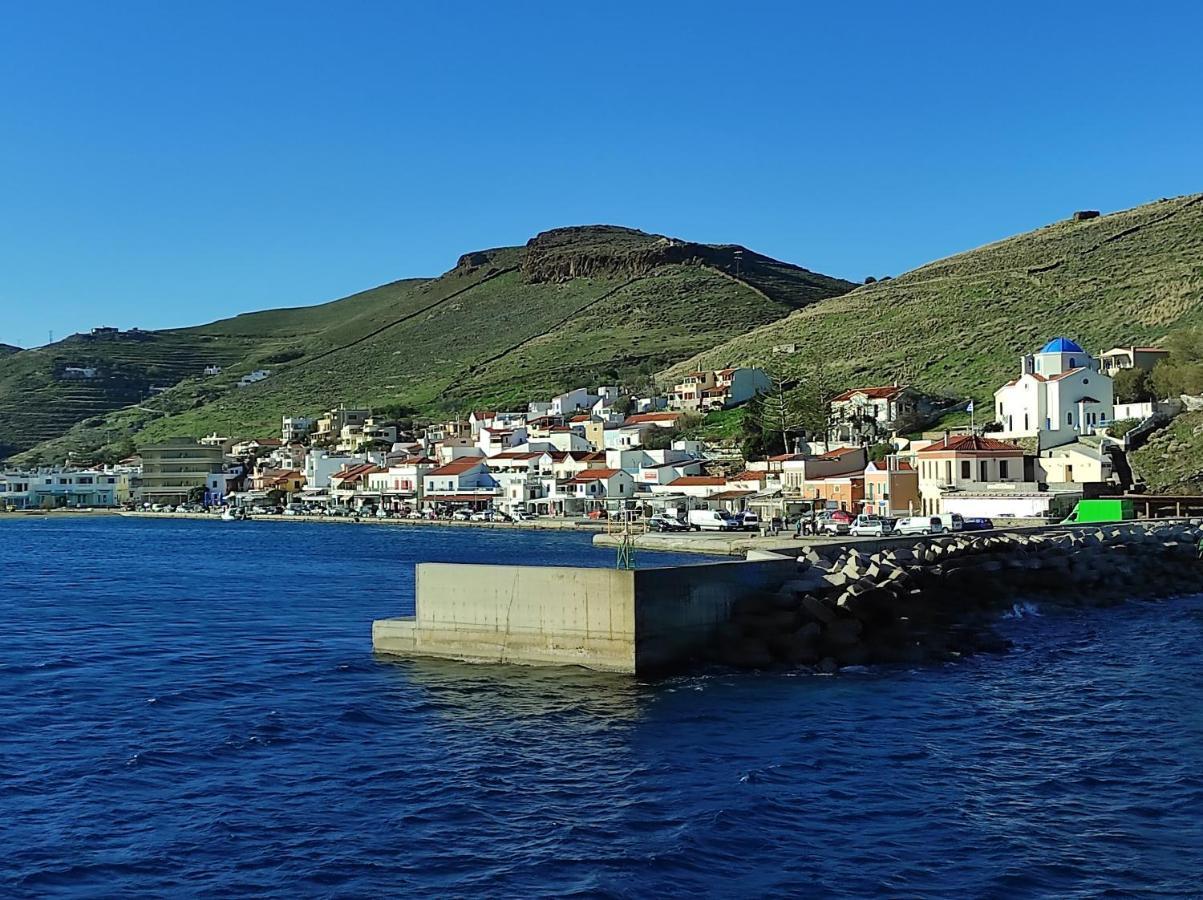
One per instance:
[(940, 600)]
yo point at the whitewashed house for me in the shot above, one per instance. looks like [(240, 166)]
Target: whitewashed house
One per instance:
[(572, 402), (464, 482), (253, 377)]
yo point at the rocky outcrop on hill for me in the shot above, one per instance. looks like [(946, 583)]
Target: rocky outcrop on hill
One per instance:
[(939, 601), (611, 251)]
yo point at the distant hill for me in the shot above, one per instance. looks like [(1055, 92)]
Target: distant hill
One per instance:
[(958, 326), (5, 349), (506, 325)]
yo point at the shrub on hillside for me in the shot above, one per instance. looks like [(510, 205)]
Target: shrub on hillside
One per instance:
[(1118, 429)]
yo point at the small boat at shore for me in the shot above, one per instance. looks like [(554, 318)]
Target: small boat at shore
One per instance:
[(230, 515)]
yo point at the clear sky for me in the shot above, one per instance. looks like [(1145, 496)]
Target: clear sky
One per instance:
[(167, 164)]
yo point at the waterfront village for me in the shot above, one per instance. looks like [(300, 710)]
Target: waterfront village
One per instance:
[(599, 453)]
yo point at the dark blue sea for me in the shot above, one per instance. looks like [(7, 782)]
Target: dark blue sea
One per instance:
[(193, 708)]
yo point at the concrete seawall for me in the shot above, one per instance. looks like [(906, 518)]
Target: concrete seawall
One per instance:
[(543, 524), (637, 622), (841, 603)]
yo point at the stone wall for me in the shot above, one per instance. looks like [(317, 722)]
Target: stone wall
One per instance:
[(938, 600)]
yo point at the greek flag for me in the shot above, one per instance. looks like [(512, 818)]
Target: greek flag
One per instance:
[(969, 408)]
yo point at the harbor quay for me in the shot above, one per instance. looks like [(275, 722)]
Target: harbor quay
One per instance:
[(825, 605)]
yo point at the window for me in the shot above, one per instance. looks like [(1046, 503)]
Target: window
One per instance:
[(966, 469), (1002, 468), (1069, 418), (983, 475)]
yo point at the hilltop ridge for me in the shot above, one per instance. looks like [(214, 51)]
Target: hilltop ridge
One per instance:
[(956, 326), (504, 325)]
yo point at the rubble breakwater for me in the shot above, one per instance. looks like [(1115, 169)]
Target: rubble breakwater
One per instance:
[(940, 599)]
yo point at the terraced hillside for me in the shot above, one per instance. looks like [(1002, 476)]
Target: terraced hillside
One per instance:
[(41, 398), (504, 326), (957, 326)]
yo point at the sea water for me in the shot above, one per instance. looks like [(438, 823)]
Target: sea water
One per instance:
[(194, 708)]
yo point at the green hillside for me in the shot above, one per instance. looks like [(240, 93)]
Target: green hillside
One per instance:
[(1172, 460), (40, 400), (507, 325), (957, 327)]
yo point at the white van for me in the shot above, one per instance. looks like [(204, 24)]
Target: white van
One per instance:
[(712, 520), (952, 521), (919, 525)]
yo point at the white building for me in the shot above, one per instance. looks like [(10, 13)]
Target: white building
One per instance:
[(968, 464), (400, 485), (295, 428), (1059, 395), (321, 464), (574, 401), (64, 488), (253, 377), (493, 439)]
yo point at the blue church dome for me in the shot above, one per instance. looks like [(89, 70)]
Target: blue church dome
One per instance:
[(1062, 345)]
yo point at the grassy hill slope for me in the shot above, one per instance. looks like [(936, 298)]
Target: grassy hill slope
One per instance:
[(39, 401), (504, 326), (1172, 460), (957, 326)]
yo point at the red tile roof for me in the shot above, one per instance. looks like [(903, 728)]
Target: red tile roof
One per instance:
[(1065, 374), (840, 454), (354, 473), (593, 475), (645, 418), (972, 443), (749, 475), (459, 466)]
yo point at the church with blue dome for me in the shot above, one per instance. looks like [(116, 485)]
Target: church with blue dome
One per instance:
[(1060, 394)]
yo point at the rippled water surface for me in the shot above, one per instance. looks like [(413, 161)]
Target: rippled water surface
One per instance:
[(193, 708)]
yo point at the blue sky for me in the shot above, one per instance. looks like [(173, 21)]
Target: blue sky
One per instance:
[(167, 164)]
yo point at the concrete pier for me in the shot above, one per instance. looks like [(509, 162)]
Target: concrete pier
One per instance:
[(840, 603), (637, 622)]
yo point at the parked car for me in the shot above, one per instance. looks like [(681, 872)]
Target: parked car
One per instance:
[(834, 522), (666, 523), (870, 526), (461, 515), (977, 523), (919, 525), (748, 521), (521, 515), (712, 520)]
